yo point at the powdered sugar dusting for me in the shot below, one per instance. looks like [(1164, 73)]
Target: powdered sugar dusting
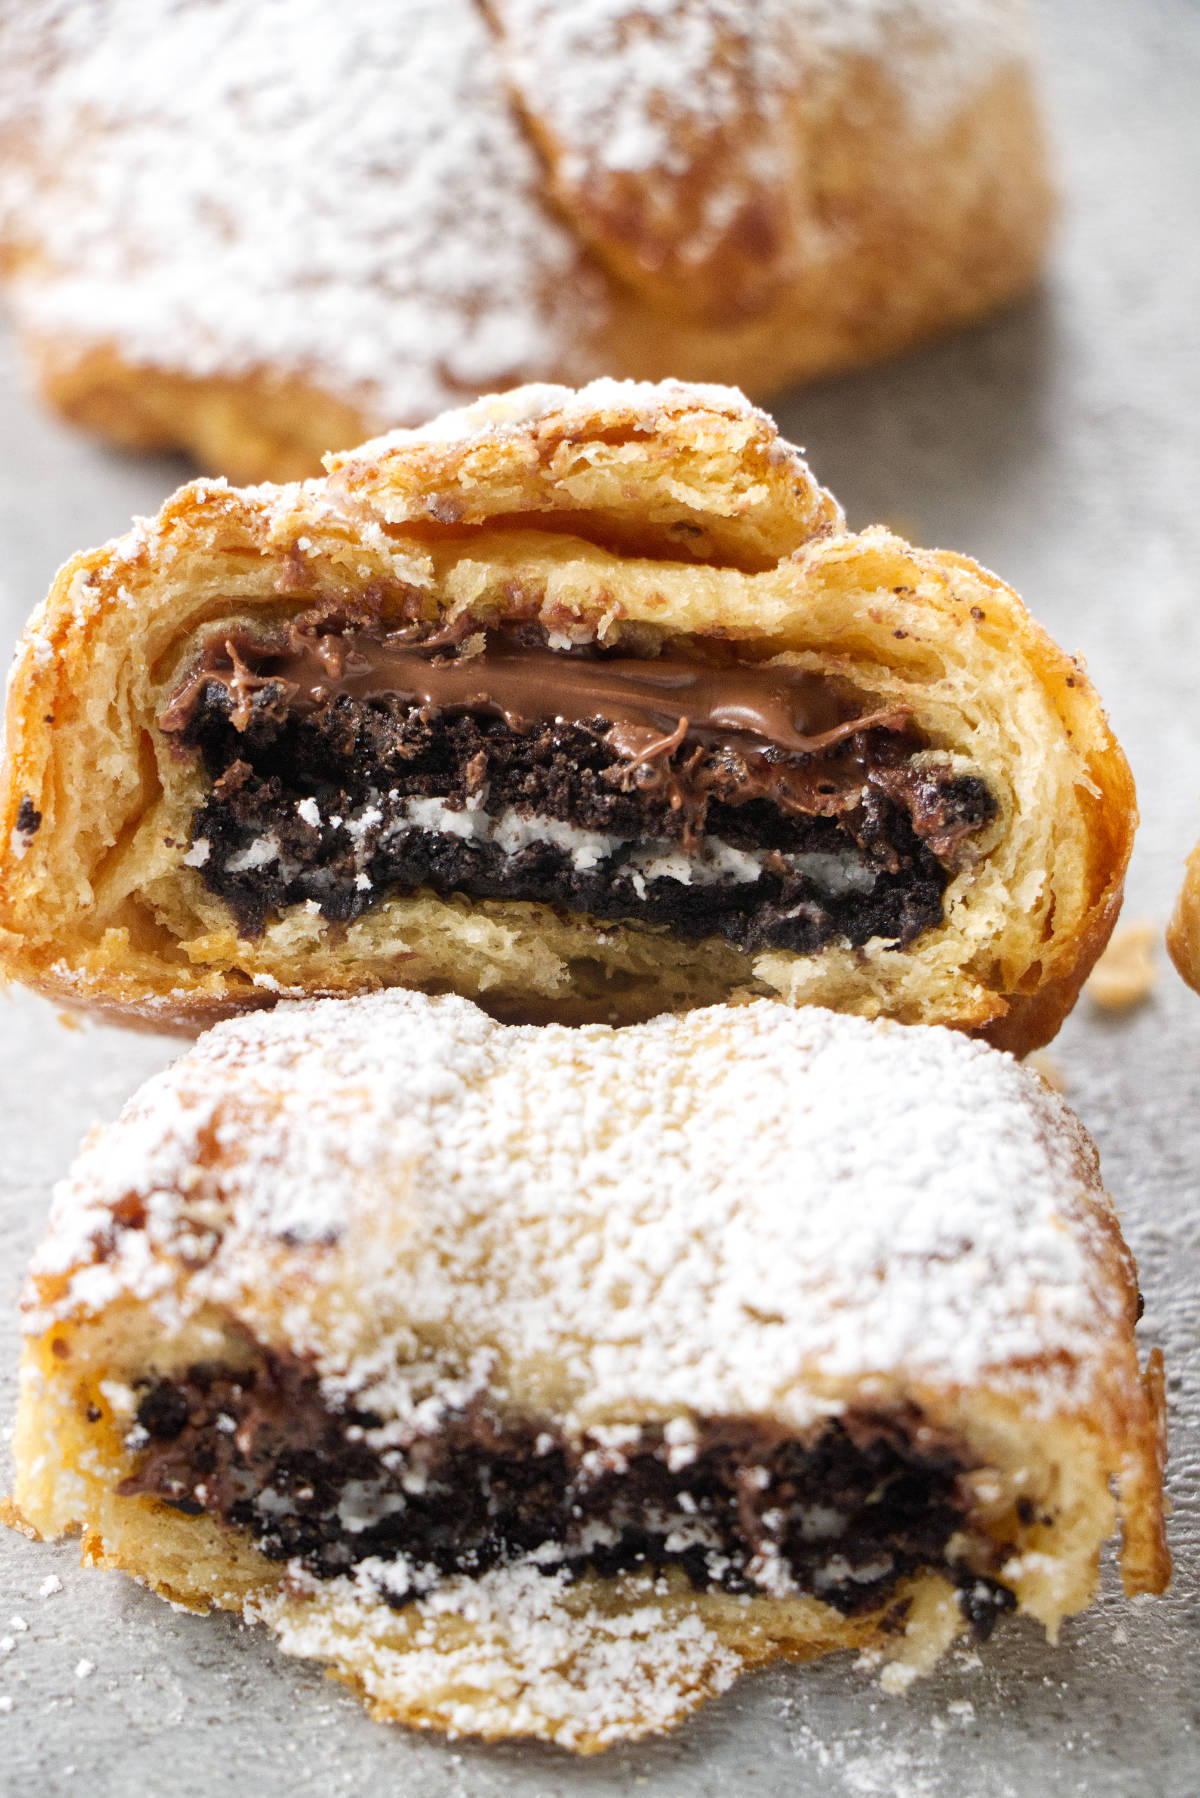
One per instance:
[(352, 194), (540, 1658), (630, 87), (644, 403), (649, 92), (701, 1215), (340, 191)]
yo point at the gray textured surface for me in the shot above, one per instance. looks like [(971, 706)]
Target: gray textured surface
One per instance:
[(1060, 446)]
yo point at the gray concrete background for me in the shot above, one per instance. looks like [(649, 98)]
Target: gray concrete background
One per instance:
[(1058, 445)]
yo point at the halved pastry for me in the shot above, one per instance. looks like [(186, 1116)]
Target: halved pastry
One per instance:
[(540, 1379), (259, 231), (582, 705)]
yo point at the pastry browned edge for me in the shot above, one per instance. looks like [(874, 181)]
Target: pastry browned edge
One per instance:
[(1183, 933), (300, 740), (259, 232), (540, 1380)]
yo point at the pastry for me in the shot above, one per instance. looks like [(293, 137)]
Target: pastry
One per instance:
[(261, 229), (1183, 933), (582, 705), (538, 1380)]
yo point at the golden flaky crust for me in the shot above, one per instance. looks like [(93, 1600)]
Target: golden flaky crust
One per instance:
[(626, 512), (1183, 933), (708, 191), (436, 1213)]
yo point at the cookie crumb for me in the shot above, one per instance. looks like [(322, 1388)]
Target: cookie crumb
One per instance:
[(1125, 974), (49, 1586)]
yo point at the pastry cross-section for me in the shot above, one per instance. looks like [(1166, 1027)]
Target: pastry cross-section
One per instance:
[(540, 1379), (586, 706)]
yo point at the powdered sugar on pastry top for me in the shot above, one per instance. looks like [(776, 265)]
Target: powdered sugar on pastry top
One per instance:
[(646, 402), (351, 193), (342, 190), (715, 1213), (617, 81)]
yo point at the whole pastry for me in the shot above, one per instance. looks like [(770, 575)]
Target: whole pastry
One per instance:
[(540, 1380), (584, 705), (261, 229)]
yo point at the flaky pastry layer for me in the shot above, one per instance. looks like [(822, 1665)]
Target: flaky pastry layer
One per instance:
[(628, 517)]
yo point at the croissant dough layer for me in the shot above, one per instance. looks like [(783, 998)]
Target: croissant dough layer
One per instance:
[(621, 517), (746, 1219), (380, 216)]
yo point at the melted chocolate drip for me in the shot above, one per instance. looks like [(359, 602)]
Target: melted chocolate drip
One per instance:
[(642, 700)]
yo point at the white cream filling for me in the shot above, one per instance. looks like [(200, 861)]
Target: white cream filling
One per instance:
[(838, 1570), (364, 1503), (258, 854), (198, 854), (715, 861)]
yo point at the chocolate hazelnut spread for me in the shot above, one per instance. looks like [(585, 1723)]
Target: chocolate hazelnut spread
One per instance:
[(642, 699), (842, 1513), (761, 802)]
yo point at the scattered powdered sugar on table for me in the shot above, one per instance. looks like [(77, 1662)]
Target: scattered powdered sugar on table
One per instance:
[(702, 1214), (872, 1770)]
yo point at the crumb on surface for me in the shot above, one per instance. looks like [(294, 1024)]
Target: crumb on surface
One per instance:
[(1047, 1067), (1125, 974)]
